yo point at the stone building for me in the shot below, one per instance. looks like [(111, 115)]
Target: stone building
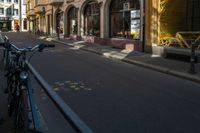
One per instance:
[(134, 24), (12, 13)]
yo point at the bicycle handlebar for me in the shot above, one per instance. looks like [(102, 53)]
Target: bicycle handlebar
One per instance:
[(39, 47)]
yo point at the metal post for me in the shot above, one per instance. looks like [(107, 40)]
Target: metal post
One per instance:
[(142, 23), (20, 15), (192, 59)]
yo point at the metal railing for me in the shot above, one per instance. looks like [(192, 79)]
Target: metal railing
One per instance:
[(77, 124)]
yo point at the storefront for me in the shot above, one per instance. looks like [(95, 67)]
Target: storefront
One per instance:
[(179, 21), (5, 24)]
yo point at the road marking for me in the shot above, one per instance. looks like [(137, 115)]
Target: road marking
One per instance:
[(71, 85)]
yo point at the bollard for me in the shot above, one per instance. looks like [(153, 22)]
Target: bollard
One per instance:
[(192, 58)]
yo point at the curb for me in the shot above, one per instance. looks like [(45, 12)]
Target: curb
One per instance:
[(164, 70), (145, 65)]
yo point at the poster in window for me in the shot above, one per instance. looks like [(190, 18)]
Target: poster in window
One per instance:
[(135, 23)]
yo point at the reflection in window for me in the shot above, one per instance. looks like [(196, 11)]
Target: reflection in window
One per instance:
[(72, 18), (92, 19), (120, 17)]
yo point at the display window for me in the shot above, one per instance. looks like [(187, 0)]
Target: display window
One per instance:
[(72, 21), (92, 19), (125, 19)]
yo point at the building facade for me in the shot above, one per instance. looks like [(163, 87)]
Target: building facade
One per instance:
[(136, 24), (12, 13)]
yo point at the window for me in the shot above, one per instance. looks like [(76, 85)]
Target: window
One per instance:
[(9, 1), (28, 6), (92, 19), (193, 15), (15, 1), (1, 0), (1, 11), (120, 17), (8, 11), (15, 12), (72, 18), (25, 24)]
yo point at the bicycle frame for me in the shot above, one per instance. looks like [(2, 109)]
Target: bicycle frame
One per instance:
[(19, 69)]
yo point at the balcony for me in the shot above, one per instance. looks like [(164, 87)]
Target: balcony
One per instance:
[(38, 9), (30, 13), (55, 2)]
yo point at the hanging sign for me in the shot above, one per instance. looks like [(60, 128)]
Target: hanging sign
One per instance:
[(126, 6)]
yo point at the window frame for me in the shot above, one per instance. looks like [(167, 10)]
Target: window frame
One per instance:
[(2, 11)]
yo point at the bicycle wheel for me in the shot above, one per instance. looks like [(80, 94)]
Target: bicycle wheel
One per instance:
[(11, 90), (21, 112)]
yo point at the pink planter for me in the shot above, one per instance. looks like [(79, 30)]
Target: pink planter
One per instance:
[(128, 44)]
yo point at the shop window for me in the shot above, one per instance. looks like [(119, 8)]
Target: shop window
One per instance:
[(72, 18), (59, 22), (122, 23), (92, 19), (193, 15)]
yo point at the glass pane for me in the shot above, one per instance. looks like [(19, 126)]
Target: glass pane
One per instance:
[(92, 19), (120, 17)]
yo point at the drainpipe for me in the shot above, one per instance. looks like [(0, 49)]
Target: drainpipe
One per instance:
[(143, 24), (20, 14), (52, 21)]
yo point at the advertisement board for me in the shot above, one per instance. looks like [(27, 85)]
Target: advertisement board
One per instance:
[(135, 22)]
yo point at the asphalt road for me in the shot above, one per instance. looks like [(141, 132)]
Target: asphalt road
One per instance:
[(112, 96)]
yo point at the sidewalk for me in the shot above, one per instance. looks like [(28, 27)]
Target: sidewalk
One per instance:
[(168, 66)]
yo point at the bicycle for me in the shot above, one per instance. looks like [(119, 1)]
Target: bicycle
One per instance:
[(6, 52), (21, 101)]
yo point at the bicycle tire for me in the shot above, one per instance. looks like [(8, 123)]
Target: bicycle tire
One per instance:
[(11, 90), (22, 110)]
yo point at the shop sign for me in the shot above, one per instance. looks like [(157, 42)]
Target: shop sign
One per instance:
[(135, 22), (126, 6)]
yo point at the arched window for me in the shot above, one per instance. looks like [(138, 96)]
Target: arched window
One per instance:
[(121, 21), (72, 21), (59, 22), (92, 19)]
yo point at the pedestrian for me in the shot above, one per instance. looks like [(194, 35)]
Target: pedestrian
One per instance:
[(17, 28)]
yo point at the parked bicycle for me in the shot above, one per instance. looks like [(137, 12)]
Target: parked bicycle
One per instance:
[(21, 101)]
